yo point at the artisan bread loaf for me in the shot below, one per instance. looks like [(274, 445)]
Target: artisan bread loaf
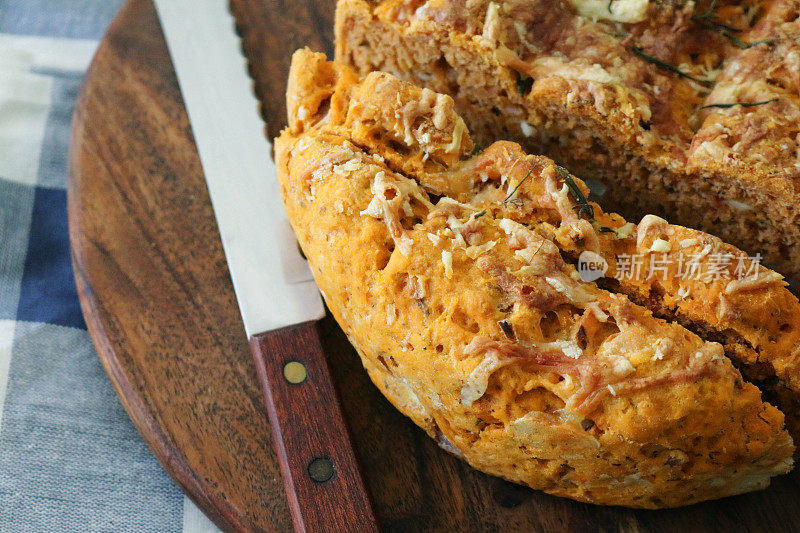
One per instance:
[(453, 272), (686, 110)]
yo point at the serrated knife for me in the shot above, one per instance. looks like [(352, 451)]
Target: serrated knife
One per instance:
[(277, 296)]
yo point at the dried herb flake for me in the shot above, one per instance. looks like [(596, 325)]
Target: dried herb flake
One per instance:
[(508, 329), (638, 51), (725, 31), (583, 207), (713, 24), (508, 198), (743, 104), (709, 22)]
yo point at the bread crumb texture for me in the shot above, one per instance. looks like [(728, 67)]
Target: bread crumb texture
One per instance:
[(688, 110)]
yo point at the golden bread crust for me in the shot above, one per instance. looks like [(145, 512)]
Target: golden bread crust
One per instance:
[(447, 272)]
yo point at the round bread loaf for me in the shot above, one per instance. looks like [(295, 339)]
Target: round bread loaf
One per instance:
[(453, 272)]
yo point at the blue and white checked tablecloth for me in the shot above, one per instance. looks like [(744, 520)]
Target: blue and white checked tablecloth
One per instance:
[(70, 460)]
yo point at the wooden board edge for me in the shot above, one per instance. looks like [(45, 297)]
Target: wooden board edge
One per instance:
[(224, 516)]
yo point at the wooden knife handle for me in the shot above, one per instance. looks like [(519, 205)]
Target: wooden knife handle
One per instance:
[(324, 484)]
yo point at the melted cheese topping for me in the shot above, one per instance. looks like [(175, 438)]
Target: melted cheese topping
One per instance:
[(478, 380), (392, 195), (447, 261), (628, 11), (661, 245), (554, 66), (650, 223)]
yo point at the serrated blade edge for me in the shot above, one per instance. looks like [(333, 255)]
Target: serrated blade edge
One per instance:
[(273, 287)]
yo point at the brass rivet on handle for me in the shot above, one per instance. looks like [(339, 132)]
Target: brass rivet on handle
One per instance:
[(320, 469), (294, 372)]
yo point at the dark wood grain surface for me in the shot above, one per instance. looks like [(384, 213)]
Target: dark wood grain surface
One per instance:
[(324, 484), (160, 307)]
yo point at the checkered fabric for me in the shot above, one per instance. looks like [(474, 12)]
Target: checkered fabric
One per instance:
[(70, 459)]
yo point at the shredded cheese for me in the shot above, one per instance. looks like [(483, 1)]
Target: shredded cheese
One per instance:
[(661, 245), (527, 129), (435, 239), (594, 307), (458, 132), (622, 366), (491, 24), (302, 113), (568, 348), (478, 379), (627, 11), (648, 223), (626, 230), (529, 270), (572, 70), (739, 206), (474, 251), (391, 314), (447, 261), (347, 167), (575, 293)]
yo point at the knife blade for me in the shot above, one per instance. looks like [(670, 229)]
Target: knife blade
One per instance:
[(277, 296)]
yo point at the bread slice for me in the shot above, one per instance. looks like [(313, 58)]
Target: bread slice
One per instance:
[(452, 275), (641, 96)]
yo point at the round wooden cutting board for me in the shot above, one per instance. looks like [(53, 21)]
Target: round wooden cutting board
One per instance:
[(160, 307)]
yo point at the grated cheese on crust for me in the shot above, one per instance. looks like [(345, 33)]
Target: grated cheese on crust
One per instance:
[(627, 11), (504, 351)]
